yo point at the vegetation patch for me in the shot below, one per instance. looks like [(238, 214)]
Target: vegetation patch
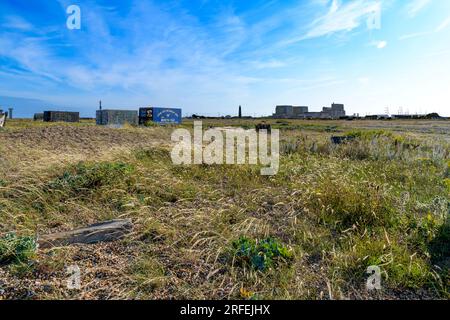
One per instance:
[(261, 255), (346, 206), (153, 155), (147, 274), (368, 134), (333, 211), (400, 267), (440, 246), (91, 176), (16, 250)]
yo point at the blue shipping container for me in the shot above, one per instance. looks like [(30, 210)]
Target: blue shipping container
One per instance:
[(167, 116)]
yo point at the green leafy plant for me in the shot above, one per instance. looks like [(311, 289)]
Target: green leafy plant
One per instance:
[(16, 250), (261, 255)]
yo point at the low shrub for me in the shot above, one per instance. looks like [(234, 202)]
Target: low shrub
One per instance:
[(400, 267), (355, 203), (86, 176), (16, 250), (261, 255), (368, 134), (440, 246), (153, 154)]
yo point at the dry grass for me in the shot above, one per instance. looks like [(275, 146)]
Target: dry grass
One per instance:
[(382, 199)]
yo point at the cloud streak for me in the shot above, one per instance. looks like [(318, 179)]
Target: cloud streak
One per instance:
[(379, 44), (16, 23), (415, 6), (339, 18), (443, 25)]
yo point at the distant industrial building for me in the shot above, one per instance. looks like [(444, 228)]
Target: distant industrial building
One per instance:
[(38, 116), (116, 117), (61, 116), (301, 112)]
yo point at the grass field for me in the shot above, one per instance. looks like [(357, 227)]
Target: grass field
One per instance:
[(226, 232)]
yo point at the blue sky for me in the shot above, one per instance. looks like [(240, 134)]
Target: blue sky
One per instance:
[(210, 56)]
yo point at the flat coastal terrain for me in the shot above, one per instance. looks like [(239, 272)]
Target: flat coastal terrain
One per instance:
[(225, 231)]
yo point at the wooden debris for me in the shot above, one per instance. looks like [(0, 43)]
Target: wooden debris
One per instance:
[(100, 232)]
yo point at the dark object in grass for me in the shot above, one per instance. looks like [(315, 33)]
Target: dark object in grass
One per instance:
[(341, 140), (101, 232), (263, 126)]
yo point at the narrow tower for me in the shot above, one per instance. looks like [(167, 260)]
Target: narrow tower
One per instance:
[(240, 112)]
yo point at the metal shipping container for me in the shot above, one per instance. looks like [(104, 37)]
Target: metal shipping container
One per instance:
[(116, 117), (38, 117), (167, 116), (145, 115), (61, 116)]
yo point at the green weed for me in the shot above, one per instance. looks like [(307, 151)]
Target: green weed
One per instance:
[(16, 250), (261, 255)]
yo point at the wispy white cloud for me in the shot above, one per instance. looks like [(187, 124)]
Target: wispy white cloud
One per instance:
[(30, 53), (16, 23), (415, 6), (443, 25), (269, 64), (339, 18), (379, 44), (171, 54), (413, 35)]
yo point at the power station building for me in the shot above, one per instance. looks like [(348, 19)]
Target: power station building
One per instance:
[(300, 112)]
